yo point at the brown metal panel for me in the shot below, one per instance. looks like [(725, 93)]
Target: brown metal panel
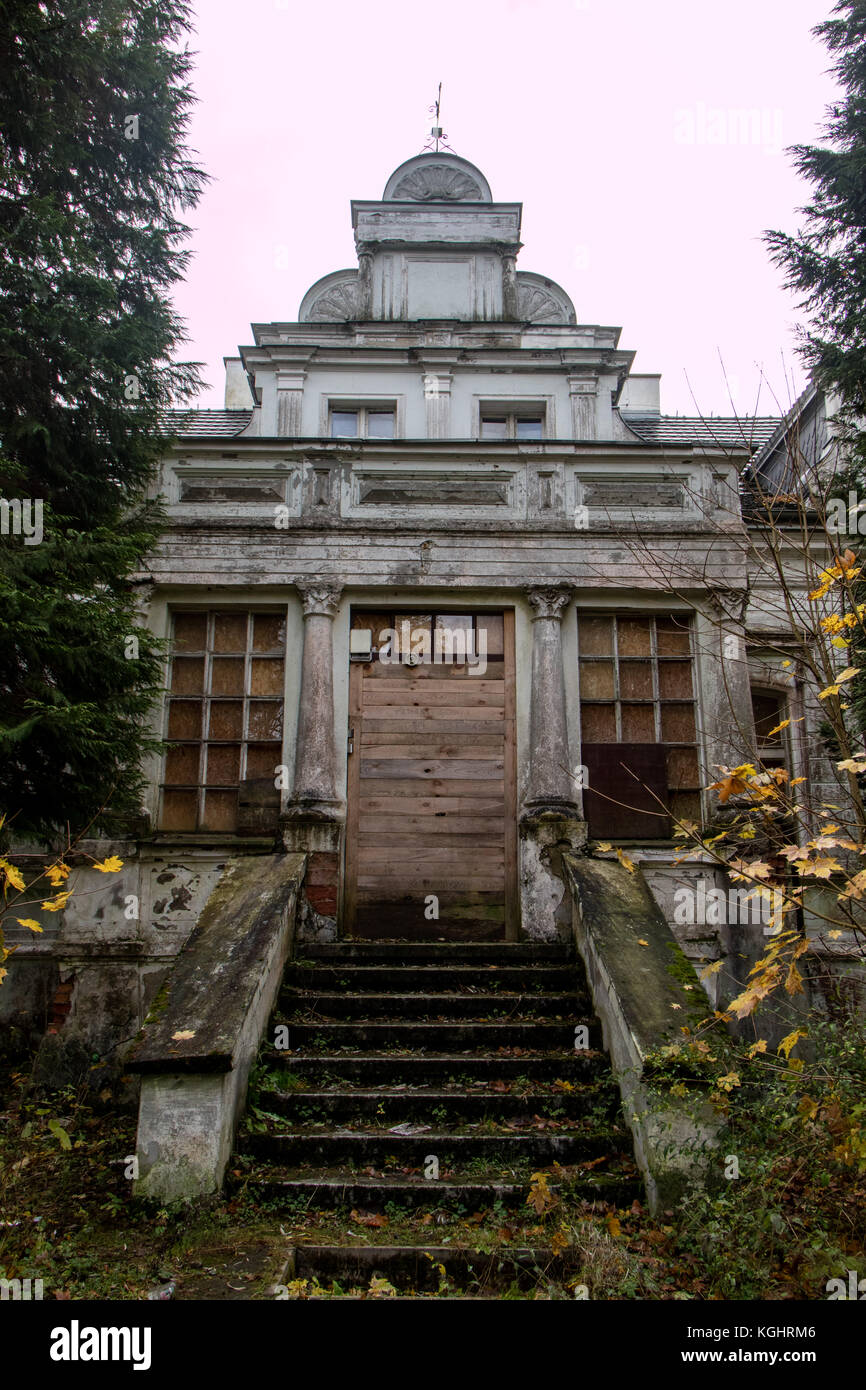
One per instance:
[(626, 794)]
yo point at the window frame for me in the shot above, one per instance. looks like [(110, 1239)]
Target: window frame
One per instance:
[(206, 700), (364, 407), (773, 754), (511, 420), (514, 408), (657, 701)]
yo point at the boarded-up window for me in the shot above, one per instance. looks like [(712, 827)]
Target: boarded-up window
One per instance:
[(224, 719), (638, 728)]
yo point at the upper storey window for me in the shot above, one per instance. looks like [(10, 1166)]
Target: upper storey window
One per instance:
[(363, 423), (770, 712), (512, 425)]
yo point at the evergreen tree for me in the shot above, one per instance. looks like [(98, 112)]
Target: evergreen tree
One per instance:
[(825, 264), (94, 107)]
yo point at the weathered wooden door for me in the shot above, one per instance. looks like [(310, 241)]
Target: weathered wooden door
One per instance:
[(431, 790)]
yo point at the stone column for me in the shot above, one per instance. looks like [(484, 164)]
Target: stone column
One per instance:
[(510, 298), (365, 285), (315, 750), (550, 786)]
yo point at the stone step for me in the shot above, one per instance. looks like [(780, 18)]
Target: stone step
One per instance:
[(408, 1006), (537, 1036), (421, 1269), (310, 1189), (399, 1105), (379, 1148), (458, 1297), (405, 979), (461, 1069), (443, 953)]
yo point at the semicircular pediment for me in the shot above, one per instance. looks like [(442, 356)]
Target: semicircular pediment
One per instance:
[(333, 299), (437, 178), (540, 300)]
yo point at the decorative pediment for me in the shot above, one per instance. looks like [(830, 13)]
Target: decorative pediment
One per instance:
[(540, 300), (437, 178), (437, 183), (335, 299)]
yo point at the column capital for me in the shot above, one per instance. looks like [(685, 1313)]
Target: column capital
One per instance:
[(319, 597), (549, 602)]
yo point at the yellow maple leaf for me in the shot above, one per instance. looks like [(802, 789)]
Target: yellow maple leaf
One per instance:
[(758, 869), (57, 904), (183, 1035), (604, 846), (111, 865), (729, 1081), (559, 1241), (13, 875), (759, 1046), (791, 1041), (540, 1198), (29, 922), (748, 1001), (625, 861), (794, 981), (822, 867), (784, 724), (641, 942), (380, 1288), (614, 1228), (711, 970), (856, 886), (856, 764)]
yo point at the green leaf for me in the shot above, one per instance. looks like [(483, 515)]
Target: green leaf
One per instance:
[(60, 1134)]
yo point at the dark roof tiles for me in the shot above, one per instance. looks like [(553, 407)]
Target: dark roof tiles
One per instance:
[(719, 431)]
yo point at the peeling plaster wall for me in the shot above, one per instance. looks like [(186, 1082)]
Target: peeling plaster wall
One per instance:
[(110, 952)]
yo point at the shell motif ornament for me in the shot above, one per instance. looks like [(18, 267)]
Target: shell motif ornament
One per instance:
[(437, 183)]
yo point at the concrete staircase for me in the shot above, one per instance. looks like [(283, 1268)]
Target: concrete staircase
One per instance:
[(432, 1078)]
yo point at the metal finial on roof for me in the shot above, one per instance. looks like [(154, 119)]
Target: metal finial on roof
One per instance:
[(438, 136)]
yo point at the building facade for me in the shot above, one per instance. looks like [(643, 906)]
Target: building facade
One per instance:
[(445, 592)]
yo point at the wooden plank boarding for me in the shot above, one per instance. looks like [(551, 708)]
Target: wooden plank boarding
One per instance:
[(432, 795)]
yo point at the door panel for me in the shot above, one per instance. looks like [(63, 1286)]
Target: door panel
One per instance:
[(432, 799)]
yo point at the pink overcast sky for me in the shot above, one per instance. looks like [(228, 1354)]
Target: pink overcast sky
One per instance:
[(645, 138)]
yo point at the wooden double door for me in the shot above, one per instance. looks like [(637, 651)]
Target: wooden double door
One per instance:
[(431, 844)]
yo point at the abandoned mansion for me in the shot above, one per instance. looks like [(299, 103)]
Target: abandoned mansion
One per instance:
[(448, 599)]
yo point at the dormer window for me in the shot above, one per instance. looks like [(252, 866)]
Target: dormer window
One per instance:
[(366, 422)]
